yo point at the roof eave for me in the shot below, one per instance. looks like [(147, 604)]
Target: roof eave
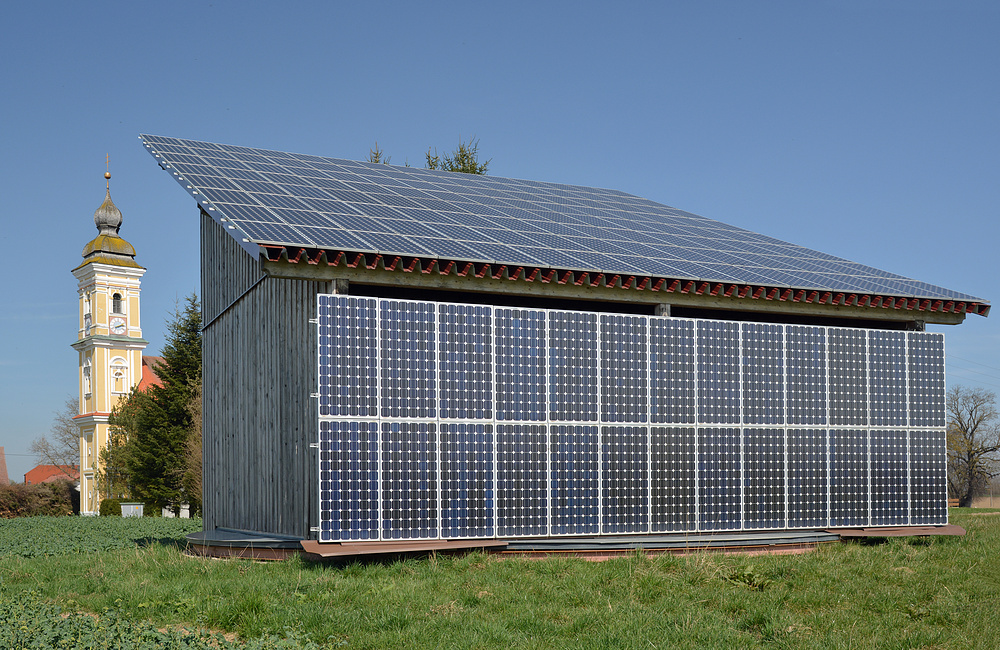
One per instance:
[(374, 268)]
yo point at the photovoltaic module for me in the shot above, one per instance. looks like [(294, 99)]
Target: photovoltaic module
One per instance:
[(287, 199), (441, 420)]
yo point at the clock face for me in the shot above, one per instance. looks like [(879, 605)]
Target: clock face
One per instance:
[(118, 325)]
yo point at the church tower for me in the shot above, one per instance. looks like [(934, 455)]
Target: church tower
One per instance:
[(109, 341)]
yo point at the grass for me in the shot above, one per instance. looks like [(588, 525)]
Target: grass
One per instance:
[(941, 592)]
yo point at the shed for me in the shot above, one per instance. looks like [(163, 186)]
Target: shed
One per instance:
[(394, 353)]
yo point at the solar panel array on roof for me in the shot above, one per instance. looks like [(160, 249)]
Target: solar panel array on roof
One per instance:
[(272, 197)]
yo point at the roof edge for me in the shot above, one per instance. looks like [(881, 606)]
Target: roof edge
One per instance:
[(319, 257)]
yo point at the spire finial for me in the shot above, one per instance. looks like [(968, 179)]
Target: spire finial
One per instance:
[(107, 172)]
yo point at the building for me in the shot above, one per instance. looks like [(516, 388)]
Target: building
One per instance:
[(109, 340), (397, 353), (48, 473)]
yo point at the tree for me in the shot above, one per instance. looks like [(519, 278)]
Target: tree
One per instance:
[(464, 159), (973, 442), (376, 155), (150, 429), (62, 444)]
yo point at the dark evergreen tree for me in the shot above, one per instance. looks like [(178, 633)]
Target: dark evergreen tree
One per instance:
[(146, 454)]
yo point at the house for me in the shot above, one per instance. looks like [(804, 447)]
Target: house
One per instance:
[(50, 473), (393, 353)]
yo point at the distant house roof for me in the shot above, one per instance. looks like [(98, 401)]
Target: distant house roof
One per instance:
[(149, 376), (330, 211), (49, 473)]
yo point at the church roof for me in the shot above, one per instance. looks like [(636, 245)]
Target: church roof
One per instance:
[(108, 247), (333, 211)]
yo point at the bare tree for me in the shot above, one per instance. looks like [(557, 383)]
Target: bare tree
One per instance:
[(973, 442), (62, 444)]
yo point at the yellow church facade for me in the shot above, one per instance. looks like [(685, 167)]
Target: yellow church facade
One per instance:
[(109, 340)]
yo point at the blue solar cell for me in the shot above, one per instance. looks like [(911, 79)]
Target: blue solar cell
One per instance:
[(805, 359), (348, 480), (848, 377), (409, 480), (348, 349), (849, 492), (719, 476), (890, 478), (624, 480), (807, 478), (572, 369), (624, 368), (764, 478), (928, 477), (520, 365), (465, 361), (467, 486), (673, 484), (718, 372), (522, 481), (926, 379), (574, 480), (887, 378), (763, 374)]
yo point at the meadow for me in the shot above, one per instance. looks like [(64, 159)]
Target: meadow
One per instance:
[(126, 583)]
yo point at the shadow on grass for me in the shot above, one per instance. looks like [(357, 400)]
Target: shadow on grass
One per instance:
[(167, 542)]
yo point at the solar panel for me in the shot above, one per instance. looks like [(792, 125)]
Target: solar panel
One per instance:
[(561, 226), (441, 420)]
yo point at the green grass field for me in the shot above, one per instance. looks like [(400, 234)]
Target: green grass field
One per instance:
[(941, 592)]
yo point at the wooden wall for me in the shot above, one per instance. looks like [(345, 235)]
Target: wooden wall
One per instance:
[(259, 369)]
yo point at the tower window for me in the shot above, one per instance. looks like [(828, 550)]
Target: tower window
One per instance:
[(116, 304), (119, 368)]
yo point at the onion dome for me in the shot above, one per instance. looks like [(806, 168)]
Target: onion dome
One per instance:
[(108, 247)]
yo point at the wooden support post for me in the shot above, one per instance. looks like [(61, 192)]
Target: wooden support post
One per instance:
[(341, 287)]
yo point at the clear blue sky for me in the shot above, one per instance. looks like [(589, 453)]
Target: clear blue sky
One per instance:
[(867, 130)]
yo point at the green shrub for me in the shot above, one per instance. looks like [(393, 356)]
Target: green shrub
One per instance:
[(111, 508), (43, 499)]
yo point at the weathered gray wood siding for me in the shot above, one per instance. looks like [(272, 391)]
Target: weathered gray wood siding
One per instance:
[(259, 369)]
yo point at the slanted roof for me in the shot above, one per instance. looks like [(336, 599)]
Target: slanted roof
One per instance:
[(149, 376), (49, 473), (287, 206)]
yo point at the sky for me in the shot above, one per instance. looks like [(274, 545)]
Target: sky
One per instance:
[(867, 130)]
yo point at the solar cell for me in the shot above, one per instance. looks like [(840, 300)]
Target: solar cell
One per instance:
[(551, 212)]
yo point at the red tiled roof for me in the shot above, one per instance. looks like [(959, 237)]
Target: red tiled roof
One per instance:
[(440, 266), (49, 473), (149, 376)]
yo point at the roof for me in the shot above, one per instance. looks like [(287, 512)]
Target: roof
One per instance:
[(149, 376), (108, 247), (49, 473), (335, 211)]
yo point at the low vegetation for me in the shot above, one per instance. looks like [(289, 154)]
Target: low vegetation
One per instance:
[(23, 500), (902, 593)]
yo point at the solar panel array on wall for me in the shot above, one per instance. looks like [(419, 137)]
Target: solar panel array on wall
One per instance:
[(465, 421)]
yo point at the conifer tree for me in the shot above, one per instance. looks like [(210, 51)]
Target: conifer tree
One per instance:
[(146, 455)]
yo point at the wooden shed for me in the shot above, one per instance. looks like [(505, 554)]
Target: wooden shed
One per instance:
[(394, 353)]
